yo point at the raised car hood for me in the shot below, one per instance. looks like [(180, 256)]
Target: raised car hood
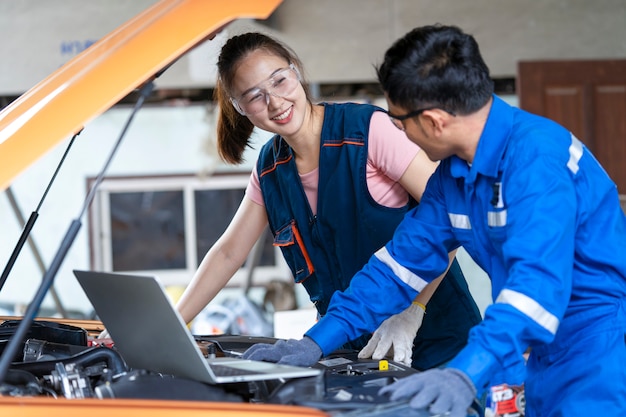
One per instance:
[(106, 72)]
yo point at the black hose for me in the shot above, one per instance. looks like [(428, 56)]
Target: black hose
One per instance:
[(21, 377), (114, 362)]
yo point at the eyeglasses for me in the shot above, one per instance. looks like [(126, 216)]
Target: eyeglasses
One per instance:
[(397, 120), (256, 99)]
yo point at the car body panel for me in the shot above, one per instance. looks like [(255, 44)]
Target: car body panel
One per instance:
[(26, 407), (111, 68)]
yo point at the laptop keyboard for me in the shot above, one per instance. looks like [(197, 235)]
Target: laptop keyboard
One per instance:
[(224, 370)]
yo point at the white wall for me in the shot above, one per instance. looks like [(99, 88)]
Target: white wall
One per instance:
[(342, 39)]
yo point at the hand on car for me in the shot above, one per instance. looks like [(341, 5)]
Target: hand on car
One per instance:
[(440, 390), (396, 334), (303, 352)]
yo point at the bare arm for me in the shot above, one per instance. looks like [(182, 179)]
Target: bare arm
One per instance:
[(417, 174), (223, 259), (414, 181), (425, 295)]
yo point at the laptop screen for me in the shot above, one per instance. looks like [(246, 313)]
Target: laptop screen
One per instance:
[(150, 334)]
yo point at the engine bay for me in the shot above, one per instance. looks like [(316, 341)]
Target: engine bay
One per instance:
[(64, 361)]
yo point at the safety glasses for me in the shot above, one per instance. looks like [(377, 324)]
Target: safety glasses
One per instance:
[(256, 99)]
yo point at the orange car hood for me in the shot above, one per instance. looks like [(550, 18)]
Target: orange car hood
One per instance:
[(106, 72)]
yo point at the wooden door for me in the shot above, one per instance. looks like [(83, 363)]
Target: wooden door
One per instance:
[(589, 98)]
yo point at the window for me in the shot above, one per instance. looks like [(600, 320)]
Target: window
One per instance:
[(164, 225)]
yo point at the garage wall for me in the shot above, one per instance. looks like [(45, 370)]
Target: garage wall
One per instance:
[(339, 40)]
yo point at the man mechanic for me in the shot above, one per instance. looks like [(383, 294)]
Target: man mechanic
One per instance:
[(532, 206)]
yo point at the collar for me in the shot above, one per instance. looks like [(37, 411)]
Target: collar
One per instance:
[(491, 145)]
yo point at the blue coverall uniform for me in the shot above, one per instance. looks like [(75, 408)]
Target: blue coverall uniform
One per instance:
[(540, 215)]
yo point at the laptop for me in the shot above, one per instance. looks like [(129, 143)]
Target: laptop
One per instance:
[(150, 334)]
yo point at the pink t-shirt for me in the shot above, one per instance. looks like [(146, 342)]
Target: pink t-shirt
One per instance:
[(389, 154)]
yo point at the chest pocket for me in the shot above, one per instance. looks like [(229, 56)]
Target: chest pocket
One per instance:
[(290, 242)]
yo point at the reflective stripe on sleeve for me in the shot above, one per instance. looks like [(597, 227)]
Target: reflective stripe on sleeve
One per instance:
[(401, 272), (460, 221), (529, 307), (575, 153)]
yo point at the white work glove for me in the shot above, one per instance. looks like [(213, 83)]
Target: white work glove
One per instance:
[(104, 335), (396, 333)]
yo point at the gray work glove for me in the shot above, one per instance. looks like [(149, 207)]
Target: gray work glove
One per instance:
[(397, 333), (303, 352), (439, 390)]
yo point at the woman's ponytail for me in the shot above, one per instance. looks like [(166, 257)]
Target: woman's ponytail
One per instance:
[(233, 129)]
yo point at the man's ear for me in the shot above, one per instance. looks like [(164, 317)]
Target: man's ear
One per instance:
[(434, 121)]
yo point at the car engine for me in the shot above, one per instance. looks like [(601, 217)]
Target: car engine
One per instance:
[(61, 361)]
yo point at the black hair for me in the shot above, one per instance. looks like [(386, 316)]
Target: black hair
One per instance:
[(436, 66)]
